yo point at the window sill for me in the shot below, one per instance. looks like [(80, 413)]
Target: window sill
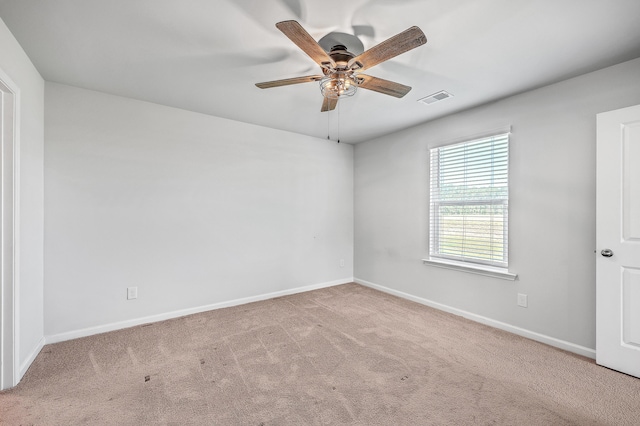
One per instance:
[(487, 271)]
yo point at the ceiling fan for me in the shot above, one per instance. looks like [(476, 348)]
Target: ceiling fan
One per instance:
[(341, 69)]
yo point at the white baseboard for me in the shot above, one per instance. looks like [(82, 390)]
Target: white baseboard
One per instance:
[(551, 341), (61, 337), (32, 356)]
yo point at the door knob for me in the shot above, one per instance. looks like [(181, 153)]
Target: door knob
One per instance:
[(606, 253)]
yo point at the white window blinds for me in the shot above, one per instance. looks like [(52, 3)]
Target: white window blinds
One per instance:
[(469, 201)]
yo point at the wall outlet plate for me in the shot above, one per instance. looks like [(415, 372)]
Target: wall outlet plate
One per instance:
[(132, 293), (522, 300)]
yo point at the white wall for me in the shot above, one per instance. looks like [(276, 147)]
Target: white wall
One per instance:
[(192, 209), (15, 63), (552, 206)]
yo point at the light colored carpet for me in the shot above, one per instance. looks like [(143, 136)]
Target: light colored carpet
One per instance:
[(341, 355)]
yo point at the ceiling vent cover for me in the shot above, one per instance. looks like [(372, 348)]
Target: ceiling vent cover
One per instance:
[(435, 97)]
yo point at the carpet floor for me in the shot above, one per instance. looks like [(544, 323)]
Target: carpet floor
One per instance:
[(341, 355)]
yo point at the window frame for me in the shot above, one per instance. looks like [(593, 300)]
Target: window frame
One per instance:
[(491, 268)]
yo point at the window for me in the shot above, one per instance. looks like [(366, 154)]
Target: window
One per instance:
[(469, 203)]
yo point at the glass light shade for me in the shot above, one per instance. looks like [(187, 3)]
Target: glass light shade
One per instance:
[(338, 84)]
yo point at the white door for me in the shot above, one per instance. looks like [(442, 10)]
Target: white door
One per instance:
[(618, 240)]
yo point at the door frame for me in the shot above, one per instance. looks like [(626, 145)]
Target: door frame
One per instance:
[(9, 218)]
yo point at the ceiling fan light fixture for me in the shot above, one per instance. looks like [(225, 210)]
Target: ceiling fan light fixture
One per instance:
[(338, 85)]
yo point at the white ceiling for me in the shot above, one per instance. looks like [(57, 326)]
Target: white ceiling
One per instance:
[(206, 55)]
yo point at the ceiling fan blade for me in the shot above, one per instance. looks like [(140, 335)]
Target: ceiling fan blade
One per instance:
[(381, 85), (328, 104), (392, 47), (304, 41), (288, 81)]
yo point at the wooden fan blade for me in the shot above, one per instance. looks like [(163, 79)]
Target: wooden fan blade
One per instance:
[(328, 104), (392, 47), (288, 81), (304, 41), (381, 85)]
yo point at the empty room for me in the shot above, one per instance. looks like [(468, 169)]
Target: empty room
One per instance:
[(318, 212)]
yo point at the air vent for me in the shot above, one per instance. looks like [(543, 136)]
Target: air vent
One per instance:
[(435, 97)]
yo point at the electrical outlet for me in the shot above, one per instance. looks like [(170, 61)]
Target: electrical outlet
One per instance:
[(132, 293), (342, 263), (522, 300)]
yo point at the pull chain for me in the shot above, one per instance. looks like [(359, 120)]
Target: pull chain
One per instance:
[(329, 124), (339, 103)]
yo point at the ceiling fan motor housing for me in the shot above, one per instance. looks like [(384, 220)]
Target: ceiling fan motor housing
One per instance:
[(339, 81), (341, 56)]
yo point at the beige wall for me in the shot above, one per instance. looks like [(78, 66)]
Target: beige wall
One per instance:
[(551, 218), (196, 211)]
